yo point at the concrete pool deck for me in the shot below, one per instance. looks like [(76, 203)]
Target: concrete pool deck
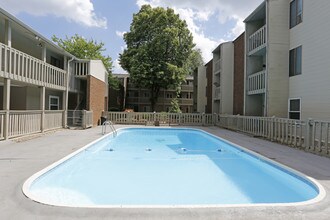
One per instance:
[(19, 159)]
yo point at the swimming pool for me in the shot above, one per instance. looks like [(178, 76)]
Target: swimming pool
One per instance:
[(166, 167)]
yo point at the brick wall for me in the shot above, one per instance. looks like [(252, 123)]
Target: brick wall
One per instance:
[(239, 75), (96, 90), (209, 76)]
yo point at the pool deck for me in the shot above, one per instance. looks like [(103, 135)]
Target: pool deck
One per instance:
[(19, 159)]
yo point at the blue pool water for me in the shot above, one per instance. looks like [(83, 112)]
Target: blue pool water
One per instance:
[(167, 167)]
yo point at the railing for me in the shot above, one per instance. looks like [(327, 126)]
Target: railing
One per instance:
[(81, 68), (53, 120), (186, 88), (80, 118), (29, 122), (112, 127), (256, 83), (257, 40), (217, 93), (217, 66), (161, 118), (87, 119), (19, 66), (2, 122), (310, 135)]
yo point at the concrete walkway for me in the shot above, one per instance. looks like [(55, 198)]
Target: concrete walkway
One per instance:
[(19, 160)]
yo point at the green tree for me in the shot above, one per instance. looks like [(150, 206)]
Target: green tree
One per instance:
[(194, 60), (87, 49), (158, 46)]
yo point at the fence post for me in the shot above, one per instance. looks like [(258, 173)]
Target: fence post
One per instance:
[(214, 119), (272, 130), (308, 133), (203, 119), (84, 119)]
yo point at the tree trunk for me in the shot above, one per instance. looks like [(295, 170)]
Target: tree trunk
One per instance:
[(154, 92)]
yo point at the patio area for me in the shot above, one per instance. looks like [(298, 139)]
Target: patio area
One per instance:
[(20, 158)]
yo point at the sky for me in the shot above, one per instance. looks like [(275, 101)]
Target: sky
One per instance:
[(210, 21)]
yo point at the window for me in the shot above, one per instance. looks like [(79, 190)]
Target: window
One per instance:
[(54, 102), (55, 62), (169, 95), (295, 61), (294, 108), (296, 10)]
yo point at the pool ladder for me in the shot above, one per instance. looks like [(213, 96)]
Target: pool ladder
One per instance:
[(110, 124)]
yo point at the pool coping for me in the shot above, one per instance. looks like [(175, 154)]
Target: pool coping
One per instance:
[(321, 195)]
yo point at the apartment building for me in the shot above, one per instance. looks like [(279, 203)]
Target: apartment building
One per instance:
[(117, 97), (238, 93), (200, 84), (223, 78), (40, 82), (138, 99), (287, 68), (267, 59), (203, 88)]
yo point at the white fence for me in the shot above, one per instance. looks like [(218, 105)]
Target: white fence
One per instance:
[(80, 118), (161, 118), (20, 123), (310, 135), (20, 66)]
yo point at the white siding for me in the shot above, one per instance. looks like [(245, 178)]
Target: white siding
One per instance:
[(98, 70), (227, 78), (277, 58), (201, 89), (313, 84)]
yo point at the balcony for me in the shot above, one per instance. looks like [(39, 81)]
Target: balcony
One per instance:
[(22, 67), (257, 40), (257, 83), (217, 66), (217, 94), (187, 88), (81, 69)]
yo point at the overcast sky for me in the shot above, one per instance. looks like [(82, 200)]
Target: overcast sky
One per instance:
[(211, 22)]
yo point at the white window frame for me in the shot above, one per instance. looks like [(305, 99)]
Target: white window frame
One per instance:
[(50, 103), (298, 98)]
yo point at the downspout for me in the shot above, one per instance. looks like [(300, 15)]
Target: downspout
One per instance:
[(67, 92)]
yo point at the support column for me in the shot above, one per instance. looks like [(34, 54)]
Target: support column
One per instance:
[(8, 33), (65, 110), (43, 53), (6, 106), (42, 107)]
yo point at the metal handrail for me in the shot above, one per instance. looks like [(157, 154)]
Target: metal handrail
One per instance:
[(112, 127)]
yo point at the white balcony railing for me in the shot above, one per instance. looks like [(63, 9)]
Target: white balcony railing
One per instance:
[(217, 92), (257, 40), (20, 66), (81, 68), (256, 83), (217, 66)]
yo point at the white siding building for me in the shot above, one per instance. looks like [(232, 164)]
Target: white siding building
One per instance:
[(200, 84), (287, 65), (223, 78), (40, 82)]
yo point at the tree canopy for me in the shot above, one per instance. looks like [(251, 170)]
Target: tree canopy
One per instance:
[(87, 49), (158, 46), (194, 60)]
